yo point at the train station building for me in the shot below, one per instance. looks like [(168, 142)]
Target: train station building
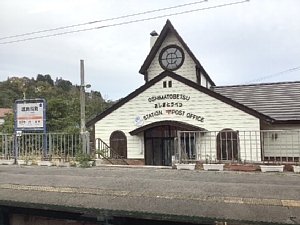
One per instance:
[(179, 95)]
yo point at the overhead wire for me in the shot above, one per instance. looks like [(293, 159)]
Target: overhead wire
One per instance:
[(105, 20), (127, 22), (273, 75)]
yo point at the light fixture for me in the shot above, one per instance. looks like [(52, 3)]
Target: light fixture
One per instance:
[(274, 136), (87, 85)]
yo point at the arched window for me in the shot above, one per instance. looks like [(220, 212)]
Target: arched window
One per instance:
[(118, 142), (227, 143)]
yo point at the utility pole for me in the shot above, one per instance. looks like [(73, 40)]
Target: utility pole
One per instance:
[(82, 97), (84, 134), (82, 109)]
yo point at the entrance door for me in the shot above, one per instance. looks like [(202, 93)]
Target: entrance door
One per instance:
[(159, 151), (159, 144), (168, 151)]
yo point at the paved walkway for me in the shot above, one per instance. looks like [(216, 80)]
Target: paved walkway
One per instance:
[(162, 195), (195, 196)]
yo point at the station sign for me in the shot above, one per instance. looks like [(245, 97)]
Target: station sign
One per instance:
[(30, 115)]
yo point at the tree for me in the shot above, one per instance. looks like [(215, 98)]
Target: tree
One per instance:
[(49, 80), (10, 90), (8, 126), (45, 78), (62, 114), (65, 85)]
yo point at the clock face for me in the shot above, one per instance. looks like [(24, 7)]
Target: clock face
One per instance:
[(171, 57)]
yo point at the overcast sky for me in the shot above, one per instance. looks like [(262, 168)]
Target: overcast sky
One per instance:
[(235, 44)]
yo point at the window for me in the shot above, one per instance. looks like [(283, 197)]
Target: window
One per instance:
[(171, 57), (227, 141), (164, 84), (118, 143)]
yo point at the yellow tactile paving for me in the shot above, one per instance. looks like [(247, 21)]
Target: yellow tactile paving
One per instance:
[(233, 199), (173, 195), (291, 203), (262, 201)]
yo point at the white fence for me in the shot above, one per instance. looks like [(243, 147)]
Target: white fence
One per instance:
[(242, 146)]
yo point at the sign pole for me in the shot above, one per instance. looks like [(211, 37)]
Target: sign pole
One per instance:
[(44, 130), (15, 133)]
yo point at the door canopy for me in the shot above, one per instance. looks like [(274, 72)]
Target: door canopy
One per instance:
[(182, 125)]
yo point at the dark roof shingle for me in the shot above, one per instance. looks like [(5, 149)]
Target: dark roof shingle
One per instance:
[(279, 101)]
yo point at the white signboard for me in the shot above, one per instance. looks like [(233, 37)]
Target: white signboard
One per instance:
[(30, 115)]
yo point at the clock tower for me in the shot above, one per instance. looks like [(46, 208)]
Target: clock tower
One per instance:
[(171, 53)]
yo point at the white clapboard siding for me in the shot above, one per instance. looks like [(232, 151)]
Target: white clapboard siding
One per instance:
[(286, 144), (282, 140), (217, 115)]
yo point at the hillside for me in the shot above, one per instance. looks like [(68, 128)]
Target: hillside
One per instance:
[(62, 101)]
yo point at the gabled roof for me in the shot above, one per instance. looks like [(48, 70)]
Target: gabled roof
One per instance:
[(188, 83), (279, 101), (163, 34)]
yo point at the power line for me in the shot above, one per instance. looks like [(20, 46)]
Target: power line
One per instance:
[(105, 20), (127, 22), (273, 75)]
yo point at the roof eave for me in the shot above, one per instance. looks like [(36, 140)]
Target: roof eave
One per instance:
[(286, 122)]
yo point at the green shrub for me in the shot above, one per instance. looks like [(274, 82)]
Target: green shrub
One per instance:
[(83, 159)]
